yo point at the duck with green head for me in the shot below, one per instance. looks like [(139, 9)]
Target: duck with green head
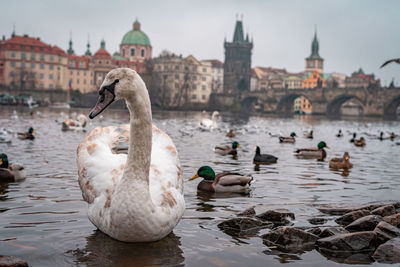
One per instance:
[(309, 135), (222, 182), (227, 150), (288, 139), (10, 172), (312, 153), (27, 135)]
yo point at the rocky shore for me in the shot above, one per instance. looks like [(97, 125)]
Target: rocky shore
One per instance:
[(360, 234)]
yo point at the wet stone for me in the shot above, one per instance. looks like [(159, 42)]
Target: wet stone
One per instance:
[(317, 221), (393, 219), (359, 241), (11, 261), (290, 239), (332, 210), (348, 257), (250, 212), (384, 211), (350, 217), (367, 223), (330, 231), (277, 216), (388, 252), (314, 231), (385, 231), (242, 226)]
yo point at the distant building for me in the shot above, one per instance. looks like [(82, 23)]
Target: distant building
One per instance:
[(265, 78), (292, 81), (237, 66), (336, 80), (315, 62), (314, 80), (359, 79), (217, 70), (178, 82), (302, 106)]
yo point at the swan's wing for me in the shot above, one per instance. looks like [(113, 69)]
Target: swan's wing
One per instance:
[(100, 165)]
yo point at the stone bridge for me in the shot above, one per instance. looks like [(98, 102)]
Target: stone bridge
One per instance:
[(326, 101)]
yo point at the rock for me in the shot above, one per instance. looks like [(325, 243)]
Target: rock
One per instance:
[(385, 231), (384, 211), (332, 210), (11, 261), (350, 217), (314, 230), (393, 219), (388, 252), (316, 221), (330, 231), (290, 238), (351, 242), (277, 216), (250, 212), (242, 226), (348, 257), (367, 223)]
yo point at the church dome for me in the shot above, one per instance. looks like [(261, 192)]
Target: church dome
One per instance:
[(135, 36)]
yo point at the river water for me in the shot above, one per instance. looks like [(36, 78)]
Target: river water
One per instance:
[(43, 219)]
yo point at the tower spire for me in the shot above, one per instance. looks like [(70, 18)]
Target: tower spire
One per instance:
[(13, 32), (102, 44), (70, 51), (88, 53)]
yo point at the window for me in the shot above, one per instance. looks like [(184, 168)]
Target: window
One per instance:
[(22, 47), (203, 87), (194, 87), (51, 86), (12, 63), (142, 52), (81, 64), (70, 72), (77, 81), (51, 58), (194, 96), (41, 57), (51, 67), (32, 48), (22, 64), (78, 72), (41, 86), (203, 97), (32, 65), (51, 76), (12, 74), (23, 56), (32, 74), (12, 54), (177, 67), (41, 76), (42, 66), (176, 76), (84, 81), (123, 51), (203, 78), (194, 78), (133, 52), (204, 70), (176, 85), (32, 56)]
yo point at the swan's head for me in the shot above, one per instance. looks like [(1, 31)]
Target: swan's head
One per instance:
[(119, 83)]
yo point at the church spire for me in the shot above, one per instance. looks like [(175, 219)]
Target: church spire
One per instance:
[(238, 35), (315, 47), (102, 44), (88, 53), (13, 32), (70, 51)]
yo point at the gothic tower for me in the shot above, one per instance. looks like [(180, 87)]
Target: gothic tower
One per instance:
[(237, 66), (314, 62)]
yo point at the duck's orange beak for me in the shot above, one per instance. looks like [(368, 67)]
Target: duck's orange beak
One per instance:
[(327, 147), (194, 177)]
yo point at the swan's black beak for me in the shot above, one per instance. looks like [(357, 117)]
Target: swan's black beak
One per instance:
[(106, 97)]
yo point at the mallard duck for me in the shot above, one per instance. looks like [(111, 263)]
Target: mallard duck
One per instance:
[(27, 135), (318, 153), (230, 134), (263, 158), (341, 163), (360, 142), (339, 134), (309, 135), (227, 150), (209, 124), (354, 138), (10, 172), (288, 139), (222, 182), (392, 136), (74, 125), (136, 197)]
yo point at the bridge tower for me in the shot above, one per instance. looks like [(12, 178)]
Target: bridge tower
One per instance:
[(237, 66), (314, 62)]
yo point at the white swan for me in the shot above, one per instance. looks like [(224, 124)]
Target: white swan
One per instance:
[(5, 136), (209, 124), (136, 197), (74, 125)]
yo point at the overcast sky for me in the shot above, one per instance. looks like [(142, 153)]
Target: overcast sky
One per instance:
[(352, 33)]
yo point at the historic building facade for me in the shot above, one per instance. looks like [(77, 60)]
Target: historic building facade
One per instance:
[(359, 79), (315, 62), (237, 66)]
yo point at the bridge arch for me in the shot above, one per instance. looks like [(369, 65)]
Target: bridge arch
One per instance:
[(249, 103), (390, 107), (334, 106), (286, 104)]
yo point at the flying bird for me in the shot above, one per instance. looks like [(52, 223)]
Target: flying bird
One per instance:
[(397, 60)]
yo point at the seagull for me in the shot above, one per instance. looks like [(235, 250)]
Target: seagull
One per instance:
[(397, 60)]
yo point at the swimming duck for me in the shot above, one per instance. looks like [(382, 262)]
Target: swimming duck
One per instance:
[(309, 135), (227, 150), (381, 136), (209, 124), (221, 182), (392, 136), (74, 125), (341, 163), (288, 139), (354, 138), (27, 135), (136, 197), (318, 153), (230, 134), (263, 158), (339, 134), (360, 142), (10, 172)]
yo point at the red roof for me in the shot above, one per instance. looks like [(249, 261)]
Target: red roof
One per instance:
[(30, 44), (102, 54)]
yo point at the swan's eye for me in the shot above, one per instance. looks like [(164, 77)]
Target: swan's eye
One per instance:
[(116, 81)]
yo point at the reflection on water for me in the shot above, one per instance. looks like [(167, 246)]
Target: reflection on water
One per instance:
[(44, 219)]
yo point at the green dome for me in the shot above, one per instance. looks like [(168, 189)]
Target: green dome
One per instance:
[(136, 37)]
